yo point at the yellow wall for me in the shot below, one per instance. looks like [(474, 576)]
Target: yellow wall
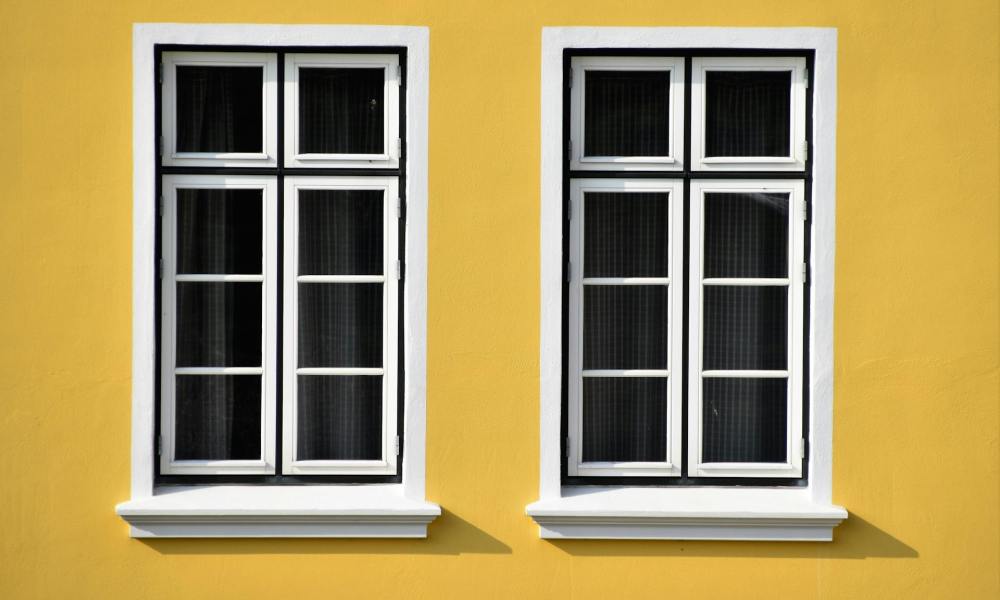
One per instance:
[(917, 350)]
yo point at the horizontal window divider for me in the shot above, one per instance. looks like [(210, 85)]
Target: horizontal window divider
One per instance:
[(339, 371), (626, 281), (218, 371), (275, 171), (222, 278), (751, 281), (626, 372), (340, 278), (748, 374), (681, 175), (624, 465)]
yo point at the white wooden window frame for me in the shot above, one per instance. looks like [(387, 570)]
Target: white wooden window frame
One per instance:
[(580, 66), (797, 116), (169, 464), (327, 510), (390, 318), (792, 513), (674, 189), (793, 283), (269, 117), (389, 157)]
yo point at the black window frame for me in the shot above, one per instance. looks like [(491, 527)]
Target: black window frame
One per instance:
[(279, 172), (686, 175)]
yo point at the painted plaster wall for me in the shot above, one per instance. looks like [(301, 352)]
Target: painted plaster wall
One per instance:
[(917, 340)]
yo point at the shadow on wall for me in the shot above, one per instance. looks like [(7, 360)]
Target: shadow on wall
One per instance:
[(852, 539), (448, 534)]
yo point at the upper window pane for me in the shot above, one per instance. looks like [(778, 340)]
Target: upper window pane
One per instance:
[(220, 109), (341, 111), (626, 234), (627, 113), (220, 231), (746, 235), (340, 232), (747, 113)]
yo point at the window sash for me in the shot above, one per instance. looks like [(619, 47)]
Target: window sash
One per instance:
[(390, 318), (580, 65), (793, 373), (671, 467), (266, 464), (269, 119), (797, 127), (390, 157)]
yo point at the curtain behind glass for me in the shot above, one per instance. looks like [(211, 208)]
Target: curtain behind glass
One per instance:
[(341, 111), (747, 113), (626, 113), (220, 109)]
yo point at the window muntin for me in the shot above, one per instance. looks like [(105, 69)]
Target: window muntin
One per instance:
[(746, 328), (219, 296), (338, 398), (626, 294), (219, 109), (743, 312), (341, 295), (748, 113), (346, 110), (627, 113)]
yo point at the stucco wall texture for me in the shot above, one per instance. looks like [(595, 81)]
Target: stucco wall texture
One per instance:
[(917, 343)]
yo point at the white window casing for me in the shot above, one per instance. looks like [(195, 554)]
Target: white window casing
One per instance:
[(747, 512), (269, 117), (389, 63), (581, 65), (327, 510), (671, 467)]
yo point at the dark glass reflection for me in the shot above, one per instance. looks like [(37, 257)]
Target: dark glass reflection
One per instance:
[(747, 113), (341, 111), (220, 109), (744, 420), (218, 324), (339, 418), (218, 417), (625, 326), (340, 232), (220, 231), (745, 327), (626, 234), (626, 113), (625, 419), (746, 235), (340, 325)]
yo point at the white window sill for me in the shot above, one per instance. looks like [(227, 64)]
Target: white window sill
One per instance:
[(279, 511), (590, 512)]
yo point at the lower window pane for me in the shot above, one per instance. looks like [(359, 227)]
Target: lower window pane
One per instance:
[(744, 420), (217, 417), (625, 326), (340, 325), (745, 327), (339, 418), (625, 419)]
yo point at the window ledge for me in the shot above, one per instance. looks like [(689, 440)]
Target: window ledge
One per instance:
[(587, 512), (273, 511)]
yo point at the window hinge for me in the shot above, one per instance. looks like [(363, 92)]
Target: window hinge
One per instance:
[(159, 208), (568, 446), (399, 208), (395, 446), (805, 272), (569, 147), (805, 77), (569, 81), (804, 210), (805, 150), (802, 448), (159, 445), (161, 145), (159, 73), (569, 211), (569, 271), (399, 74), (399, 147), (159, 268), (399, 269)]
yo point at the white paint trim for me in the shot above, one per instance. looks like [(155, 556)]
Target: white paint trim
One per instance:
[(818, 492), (144, 37)]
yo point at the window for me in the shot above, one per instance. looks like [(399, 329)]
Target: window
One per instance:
[(685, 357), (222, 289), (745, 269), (280, 281)]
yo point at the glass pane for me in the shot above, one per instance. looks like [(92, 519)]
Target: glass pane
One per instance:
[(340, 325), (745, 327), (340, 232), (626, 235), (220, 109), (218, 417), (625, 327), (626, 113), (339, 418), (341, 111), (747, 113), (744, 420), (220, 231), (746, 235), (218, 324), (624, 419)]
